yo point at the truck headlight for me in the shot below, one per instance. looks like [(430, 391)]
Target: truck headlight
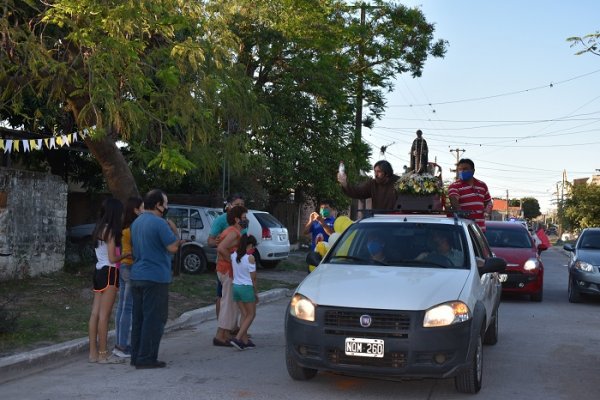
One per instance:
[(302, 308), (446, 314)]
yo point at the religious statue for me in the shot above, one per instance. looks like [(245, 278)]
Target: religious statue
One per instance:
[(418, 154)]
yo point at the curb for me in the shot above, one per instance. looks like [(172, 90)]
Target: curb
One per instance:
[(11, 365)]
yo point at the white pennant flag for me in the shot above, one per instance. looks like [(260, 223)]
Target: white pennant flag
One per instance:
[(25, 145), (8, 146)]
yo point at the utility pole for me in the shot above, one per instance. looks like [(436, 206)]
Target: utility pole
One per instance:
[(458, 152), (360, 80)]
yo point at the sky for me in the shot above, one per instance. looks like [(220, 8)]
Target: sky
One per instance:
[(510, 92)]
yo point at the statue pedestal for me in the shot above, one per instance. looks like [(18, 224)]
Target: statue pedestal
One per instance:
[(412, 202)]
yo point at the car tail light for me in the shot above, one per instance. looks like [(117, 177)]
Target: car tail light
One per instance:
[(266, 234)]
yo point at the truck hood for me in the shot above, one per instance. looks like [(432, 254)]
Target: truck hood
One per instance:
[(383, 287)]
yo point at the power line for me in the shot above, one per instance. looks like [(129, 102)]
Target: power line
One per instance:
[(550, 85)]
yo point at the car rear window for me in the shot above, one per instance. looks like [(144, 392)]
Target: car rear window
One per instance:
[(266, 220), (514, 238)]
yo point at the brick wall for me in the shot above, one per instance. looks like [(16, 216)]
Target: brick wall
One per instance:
[(33, 215)]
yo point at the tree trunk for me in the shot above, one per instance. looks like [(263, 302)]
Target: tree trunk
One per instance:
[(117, 173)]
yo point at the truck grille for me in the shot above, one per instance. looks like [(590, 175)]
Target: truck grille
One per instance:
[(384, 324)]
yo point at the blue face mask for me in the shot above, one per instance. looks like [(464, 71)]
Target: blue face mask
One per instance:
[(244, 231), (374, 247), (465, 175)]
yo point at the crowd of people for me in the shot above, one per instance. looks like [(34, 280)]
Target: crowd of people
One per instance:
[(134, 246)]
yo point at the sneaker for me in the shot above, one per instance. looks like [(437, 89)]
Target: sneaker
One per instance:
[(237, 344), (120, 353), (250, 345)]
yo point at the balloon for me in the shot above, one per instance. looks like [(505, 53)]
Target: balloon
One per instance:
[(341, 223), (322, 248)]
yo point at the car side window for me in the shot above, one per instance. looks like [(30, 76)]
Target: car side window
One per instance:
[(179, 216), (195, 220)]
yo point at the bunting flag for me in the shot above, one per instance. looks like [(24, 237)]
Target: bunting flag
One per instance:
[(27, 145)]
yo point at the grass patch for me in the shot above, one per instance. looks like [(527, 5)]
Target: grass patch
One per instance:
[(55, 308)]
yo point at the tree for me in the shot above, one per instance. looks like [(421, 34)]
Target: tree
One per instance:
[(590, 43), (531, 208), (154, 74), (582, 207), (306, 67)]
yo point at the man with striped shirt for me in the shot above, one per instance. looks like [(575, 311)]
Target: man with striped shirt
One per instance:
[(470, 194)]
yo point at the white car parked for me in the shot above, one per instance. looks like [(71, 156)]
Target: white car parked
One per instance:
[(194, 223), (398, 296)]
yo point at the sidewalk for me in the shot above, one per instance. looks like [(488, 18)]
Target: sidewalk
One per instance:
[(12, 366)]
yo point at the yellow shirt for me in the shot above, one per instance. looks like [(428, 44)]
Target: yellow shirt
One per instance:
[(126, 246)]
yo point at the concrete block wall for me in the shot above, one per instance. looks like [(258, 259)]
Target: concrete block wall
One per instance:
[(33, 215)]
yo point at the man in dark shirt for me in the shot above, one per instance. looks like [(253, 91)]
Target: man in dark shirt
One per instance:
[(381, 189)]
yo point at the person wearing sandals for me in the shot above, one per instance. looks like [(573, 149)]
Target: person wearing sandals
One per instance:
[(133, 208), (107, 239), (228, 243), (244, 289)]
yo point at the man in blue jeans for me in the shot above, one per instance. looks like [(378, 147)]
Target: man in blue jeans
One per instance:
[(153, 239)]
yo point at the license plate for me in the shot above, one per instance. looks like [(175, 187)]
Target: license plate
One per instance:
[(502, 277), (362, 347)]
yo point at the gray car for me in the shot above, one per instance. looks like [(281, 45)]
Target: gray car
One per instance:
[(584, 265)]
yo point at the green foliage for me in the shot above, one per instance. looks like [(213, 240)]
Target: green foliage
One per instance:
[(589, 43), (582, 207), (531, 208), (268, 89)]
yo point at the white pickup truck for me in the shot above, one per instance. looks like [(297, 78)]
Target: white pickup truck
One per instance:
[(398, 296)]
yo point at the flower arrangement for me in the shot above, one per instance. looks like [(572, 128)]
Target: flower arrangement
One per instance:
[(419, 184)]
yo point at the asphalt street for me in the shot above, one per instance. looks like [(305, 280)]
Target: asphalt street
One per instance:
[(546, 350)]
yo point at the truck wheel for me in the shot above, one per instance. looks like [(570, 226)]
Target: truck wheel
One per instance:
[(469, 380), (296, 371), (193, 260)]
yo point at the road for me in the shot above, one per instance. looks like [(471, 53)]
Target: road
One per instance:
[(547, 350)]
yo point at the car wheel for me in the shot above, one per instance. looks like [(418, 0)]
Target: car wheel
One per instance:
[(295, 370), (469, 380), (257, 260), (269, 264), (574, 295), (491, 334), (193, 260), (539, 296)]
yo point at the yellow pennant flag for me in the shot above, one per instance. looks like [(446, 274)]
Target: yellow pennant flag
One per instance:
[(1, 144), (32, 144), (16, 145), (46, 143), (59, 141)]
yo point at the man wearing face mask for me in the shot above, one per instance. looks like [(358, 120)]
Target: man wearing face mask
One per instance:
[(468, 193), (376, 247), (320, 225), (153, 241), (381, 189)]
